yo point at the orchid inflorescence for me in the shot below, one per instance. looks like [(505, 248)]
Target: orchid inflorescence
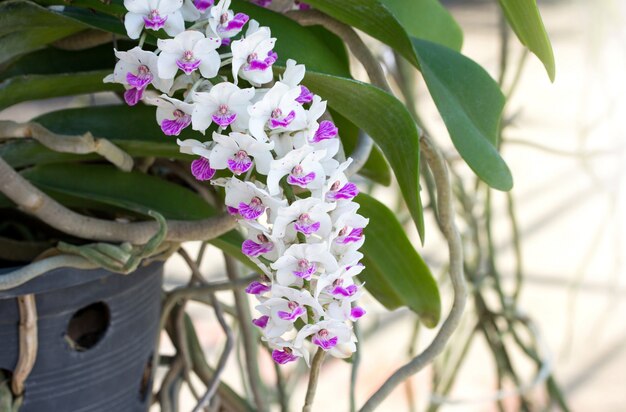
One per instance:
[(284, 183)]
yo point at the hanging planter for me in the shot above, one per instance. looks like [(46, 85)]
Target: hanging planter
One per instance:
[(95, 337)]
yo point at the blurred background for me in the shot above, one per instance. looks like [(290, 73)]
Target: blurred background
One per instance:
[(555, 244)]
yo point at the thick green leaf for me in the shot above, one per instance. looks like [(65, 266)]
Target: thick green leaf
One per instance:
[(25, 27), (32, 87), (469, 101), (376, 168), (428, 20), (387, 121), (395, 273), (524, 17), (304, 45), (470, 104), (109, 185)]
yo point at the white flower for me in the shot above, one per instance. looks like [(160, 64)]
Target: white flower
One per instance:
[(250, 201), (153, 14), (189, 51), (224, 22), (225, 104), (172, 115), (284, 351), (253, 57), (330, 335), (261, 243), (307, 216), (278, 111), (337, 187), (136, 69), (302, 168), (301, 261), (238, 152), (293, 75)]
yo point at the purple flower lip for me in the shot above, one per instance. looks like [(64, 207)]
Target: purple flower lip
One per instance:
[(305, 225), (326, 130), (154, 21), (223, 116), (348, 192), (202, 5), (321, 340), (357, 312), (345, 292), (301, 181), (240, 163), (141, 79), (295, 313), (305, 95), (132, 96), (283, 356), (261, 322), (173, 127), (236, 23), (306, 269), (255, 64), (201, 169), (354, 236), (253, 249), (276, 121), (256, 288), (252, 210), (188, 66)]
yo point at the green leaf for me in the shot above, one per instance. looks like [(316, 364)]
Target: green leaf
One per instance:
[(524, 18), (33, 87), (395, 274), (387, 121), (428, 20), (319, 53), (467, 98), (470, 103), (25, 27)]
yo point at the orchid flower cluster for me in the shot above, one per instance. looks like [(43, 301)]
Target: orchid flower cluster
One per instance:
[(278, 155)]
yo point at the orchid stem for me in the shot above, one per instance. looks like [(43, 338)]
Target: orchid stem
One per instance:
[(318, 359)]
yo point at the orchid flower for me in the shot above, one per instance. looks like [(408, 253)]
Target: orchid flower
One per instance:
[(225, 105), (154, 15), (189, 51)]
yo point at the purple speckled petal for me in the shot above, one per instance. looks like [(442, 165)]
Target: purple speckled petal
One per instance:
[(301, 181), (348, 191), (295, 314), (302, 6), (306, 229), (201, 169), (236, 23), (306, 274), (175, 126), (264, 64), (325, 343), (226, 41), (357, 312), (250, 212), (154, 23), (253, 249), (224, 120), (305, 95), (283, 357), (256, 288), (132, 96), (188, 67), (271, 58), (202, 5), (239, 166), (326, 130), (284, 122), (139, 81), (261, 322)]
